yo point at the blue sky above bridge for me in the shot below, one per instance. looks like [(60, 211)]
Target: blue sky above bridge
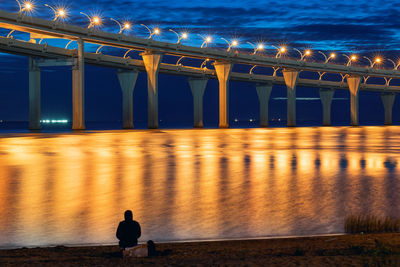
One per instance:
[(368, 27)]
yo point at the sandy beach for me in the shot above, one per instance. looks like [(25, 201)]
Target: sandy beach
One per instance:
[(339, 250)]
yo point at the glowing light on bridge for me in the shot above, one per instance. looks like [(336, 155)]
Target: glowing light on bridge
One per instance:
[(331, 56), (231, 44), (281, 50), (184, 35), (125, 27), (122, 27), (26, 6), (206, 40), (377, 60), (93, 21), (256, 49), (155, 31), (303, 55), (59, 13), (350, 59)]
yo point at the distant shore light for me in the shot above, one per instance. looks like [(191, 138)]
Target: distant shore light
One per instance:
[(48, 121)]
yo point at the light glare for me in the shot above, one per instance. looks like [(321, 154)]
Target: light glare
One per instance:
[(28, 6), (61, 13)]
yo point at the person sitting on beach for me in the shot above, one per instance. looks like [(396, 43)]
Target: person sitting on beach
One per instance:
[(128, 231)]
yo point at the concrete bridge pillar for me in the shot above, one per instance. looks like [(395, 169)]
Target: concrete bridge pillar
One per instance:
[(198, 87), (264, 92), (78, 90), (34, 95), (127, 80), (223, 70), (354, 86), (152, 62), (326, 96), (388, 101), (290, 76)]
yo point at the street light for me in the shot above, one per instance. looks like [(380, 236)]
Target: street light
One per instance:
[(95, 20), (252, 68), (179, 60), (26, 6), (281, 50), (66, 47), (350, 59), (303, 55), (256, 48), (395, 65), (377, 60), (184, 35), (59, 13), (122, 27), (156, 31), (206, 40), (331, 56), (204, 63), (126, 26), (230, 44)]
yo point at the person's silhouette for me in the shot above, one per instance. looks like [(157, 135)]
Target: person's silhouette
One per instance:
[(128, 231)]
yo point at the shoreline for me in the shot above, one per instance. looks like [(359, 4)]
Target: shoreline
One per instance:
[(174, 241), (350, 250)]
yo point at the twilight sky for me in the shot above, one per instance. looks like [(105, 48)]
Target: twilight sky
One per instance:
[(365, 27)]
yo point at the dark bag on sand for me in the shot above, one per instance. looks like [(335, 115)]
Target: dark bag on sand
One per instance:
[(151, 248)]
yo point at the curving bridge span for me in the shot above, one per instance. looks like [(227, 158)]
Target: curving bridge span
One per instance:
[(353, 78)]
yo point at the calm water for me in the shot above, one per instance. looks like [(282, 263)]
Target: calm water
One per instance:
[(194, 184)]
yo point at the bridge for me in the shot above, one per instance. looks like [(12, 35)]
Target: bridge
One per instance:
[(353, 78)]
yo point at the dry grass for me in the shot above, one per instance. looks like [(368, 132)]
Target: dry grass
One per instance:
[(355, 224)]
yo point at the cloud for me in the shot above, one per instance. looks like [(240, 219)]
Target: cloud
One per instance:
[(364, 25)]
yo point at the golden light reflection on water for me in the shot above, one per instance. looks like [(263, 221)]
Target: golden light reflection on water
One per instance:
[(194, 184)]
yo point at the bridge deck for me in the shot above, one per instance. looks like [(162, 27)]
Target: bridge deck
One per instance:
[(17, 47)]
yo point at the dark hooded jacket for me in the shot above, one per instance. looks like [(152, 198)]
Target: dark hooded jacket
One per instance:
[(128, 231)]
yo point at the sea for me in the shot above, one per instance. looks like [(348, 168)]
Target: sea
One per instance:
[(63, 187)]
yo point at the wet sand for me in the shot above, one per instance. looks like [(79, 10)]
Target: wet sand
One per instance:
[(341, 250)]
